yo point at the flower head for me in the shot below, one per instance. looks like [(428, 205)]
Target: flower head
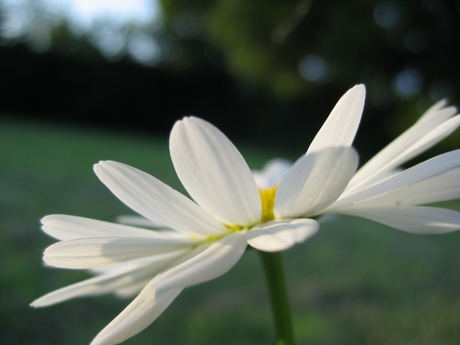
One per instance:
[(203, 237)]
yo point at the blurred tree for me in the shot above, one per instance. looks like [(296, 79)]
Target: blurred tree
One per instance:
[(278, 58), (288, 45)]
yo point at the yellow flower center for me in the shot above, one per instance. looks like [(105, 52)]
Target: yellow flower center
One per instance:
[(267, 198)]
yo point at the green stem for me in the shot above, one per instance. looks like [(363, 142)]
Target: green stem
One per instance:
[(273, 267)]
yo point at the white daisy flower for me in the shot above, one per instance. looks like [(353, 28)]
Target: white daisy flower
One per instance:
[(202, 239)]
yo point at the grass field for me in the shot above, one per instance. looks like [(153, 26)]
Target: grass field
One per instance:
[(355, 282)]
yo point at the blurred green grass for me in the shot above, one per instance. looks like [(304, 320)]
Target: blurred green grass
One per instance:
[(356, 282)]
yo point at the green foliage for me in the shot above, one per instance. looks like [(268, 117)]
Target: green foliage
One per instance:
[(263, 43), (251, 36), (246, 33)]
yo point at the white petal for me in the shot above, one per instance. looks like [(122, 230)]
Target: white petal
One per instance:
[(280, 235), (63, 227), (436, 108), (131, 289), (417, 139), (315, 181), (341, 125), (102, 251), (428, 140), (214, 172), (139, 314), (155, 200), (90, 287), (272, 173), (111, 280), (136, 263), (413, 219), (375, 194), (138, 221), (203, 265), (442, 187)]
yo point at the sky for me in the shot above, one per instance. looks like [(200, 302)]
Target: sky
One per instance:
[(84, 17), (83, 12)]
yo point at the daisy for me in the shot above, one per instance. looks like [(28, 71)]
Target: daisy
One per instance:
[(271, 210), (202, 237)]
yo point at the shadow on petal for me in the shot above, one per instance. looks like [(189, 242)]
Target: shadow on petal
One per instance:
[(280, 235)]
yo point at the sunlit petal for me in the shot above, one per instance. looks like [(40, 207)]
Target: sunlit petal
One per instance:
[(341, 125), (315, 181), (377, 194), (436, 109), (155, 200), (214, 172), (280, 235), (442, 187), (64, 227), (413, 219), (139, 314), (417, 139)]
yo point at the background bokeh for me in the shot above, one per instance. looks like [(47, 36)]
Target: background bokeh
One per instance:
[(82, 81)]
